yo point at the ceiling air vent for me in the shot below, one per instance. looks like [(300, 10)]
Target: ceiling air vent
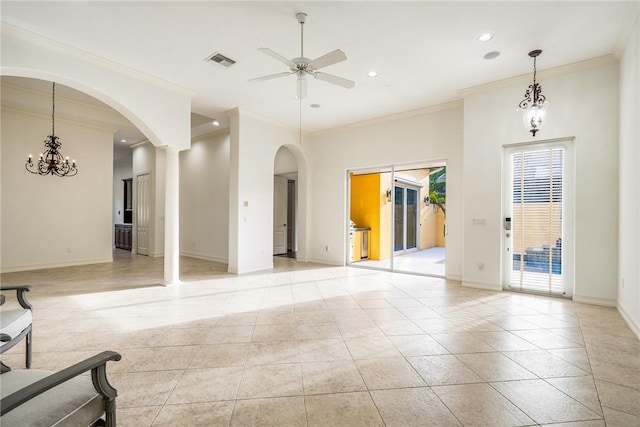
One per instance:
[(220, 59)]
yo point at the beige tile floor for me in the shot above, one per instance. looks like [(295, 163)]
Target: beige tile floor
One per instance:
[(305, 344)]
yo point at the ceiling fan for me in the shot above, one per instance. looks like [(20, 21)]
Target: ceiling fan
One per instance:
[(302, 66)]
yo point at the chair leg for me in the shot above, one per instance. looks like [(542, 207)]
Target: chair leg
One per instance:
[(28, 363)]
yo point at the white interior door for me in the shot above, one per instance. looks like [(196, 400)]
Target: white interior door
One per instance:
[(280, 189), (538, 238), (143, 212)]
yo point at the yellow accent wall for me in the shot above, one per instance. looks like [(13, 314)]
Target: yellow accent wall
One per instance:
[(369, 208)]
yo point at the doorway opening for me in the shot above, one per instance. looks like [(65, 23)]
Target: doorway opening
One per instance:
[(285, 204), (397, 218), (538, 211)]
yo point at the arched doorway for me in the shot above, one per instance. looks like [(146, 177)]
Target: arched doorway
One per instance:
[(285, 203)]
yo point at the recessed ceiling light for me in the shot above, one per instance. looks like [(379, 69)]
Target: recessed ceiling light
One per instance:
[(491, 55), (372, 73), (123, 140), (485, 37), (314, 105), (215, 123)]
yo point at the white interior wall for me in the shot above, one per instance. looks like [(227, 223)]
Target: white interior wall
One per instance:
[(204, 198), (583, 104), (254, 143), (50, 221), (430, 136), (629, 231)]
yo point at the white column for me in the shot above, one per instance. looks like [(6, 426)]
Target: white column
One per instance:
[(172, 218)]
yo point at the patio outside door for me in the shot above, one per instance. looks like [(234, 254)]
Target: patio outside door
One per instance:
[(538, 241), (405, 219)]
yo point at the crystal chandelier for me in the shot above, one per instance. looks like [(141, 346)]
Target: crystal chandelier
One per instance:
[(534, 104), (51, 161)]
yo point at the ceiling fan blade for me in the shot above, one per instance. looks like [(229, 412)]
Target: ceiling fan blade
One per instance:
[(276, 55), (328, 59), (330, 78), (271, 76), (301, 88)]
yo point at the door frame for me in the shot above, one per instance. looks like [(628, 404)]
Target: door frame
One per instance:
[(568, 210)]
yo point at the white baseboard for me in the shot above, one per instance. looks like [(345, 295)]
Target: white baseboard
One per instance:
[(627, 318), (253, 270), (13, 269), (455, 278), (606, 302), (481, 285), (205, 257)]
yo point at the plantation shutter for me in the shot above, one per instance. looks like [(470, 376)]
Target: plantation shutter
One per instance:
[(537, 220)]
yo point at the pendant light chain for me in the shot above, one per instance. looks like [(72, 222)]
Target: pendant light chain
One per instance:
[(53, 110)]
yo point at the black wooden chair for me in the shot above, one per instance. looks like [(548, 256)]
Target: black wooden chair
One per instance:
[(32, 397)]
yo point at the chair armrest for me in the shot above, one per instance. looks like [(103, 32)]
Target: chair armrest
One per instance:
[(20, 290), (97, 365)]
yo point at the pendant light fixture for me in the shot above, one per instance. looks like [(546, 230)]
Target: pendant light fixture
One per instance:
[(51, 161), (533, 106)]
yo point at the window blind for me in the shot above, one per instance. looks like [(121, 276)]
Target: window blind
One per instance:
[(537, 220)]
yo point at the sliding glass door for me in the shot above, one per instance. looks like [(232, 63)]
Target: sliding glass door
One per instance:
[(397, 218), (405, 219)]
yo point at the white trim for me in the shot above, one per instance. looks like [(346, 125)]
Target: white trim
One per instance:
[(630, 18), (455, 278), (605, 302), (222, 260), (57, 46), (29, 267), (552, 72), (458, 103), (253, 270), (627, 318), (60, 120), (482, 285)]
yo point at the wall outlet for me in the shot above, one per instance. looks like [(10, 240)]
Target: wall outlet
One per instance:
[(478, 222), (326, 248), (622, 283), (480, 266)]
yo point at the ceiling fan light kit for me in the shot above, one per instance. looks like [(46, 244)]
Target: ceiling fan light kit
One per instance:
[(303, 67)]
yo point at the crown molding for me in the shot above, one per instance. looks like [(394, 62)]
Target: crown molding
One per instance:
[(551, 72), (630, 18), (109, 114), (393, 117), (140, 144), (211, 134), (242, 112), (102, 62), (59, 119)]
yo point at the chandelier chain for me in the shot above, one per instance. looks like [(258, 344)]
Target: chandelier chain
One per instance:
[(53, 110)]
